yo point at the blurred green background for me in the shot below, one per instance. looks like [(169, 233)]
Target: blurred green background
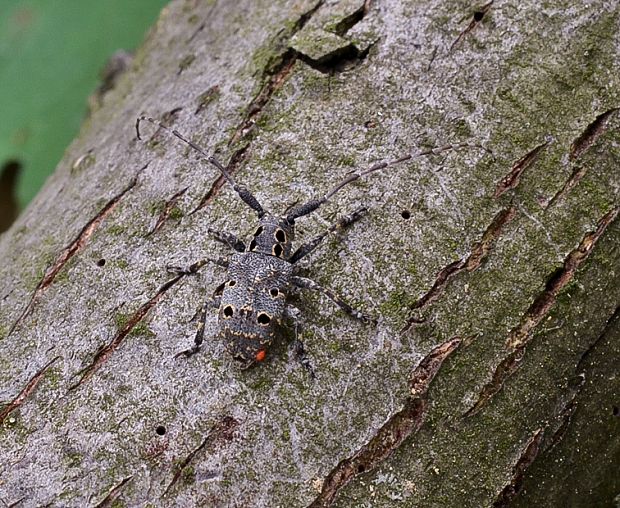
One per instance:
[(52, 53)]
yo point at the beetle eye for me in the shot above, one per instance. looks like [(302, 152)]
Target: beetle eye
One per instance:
[(228, 311), (280, 236), (263, 319), (277, 250)]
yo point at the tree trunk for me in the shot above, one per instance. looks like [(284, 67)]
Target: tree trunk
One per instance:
[(490, 260)]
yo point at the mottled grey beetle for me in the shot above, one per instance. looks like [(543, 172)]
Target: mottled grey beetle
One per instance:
[(252, 302)]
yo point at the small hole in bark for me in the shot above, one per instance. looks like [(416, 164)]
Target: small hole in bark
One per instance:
[(101, 262), (160, 430), (361, 468), (616, 411), (405, 214), (370, 124), (478, 15)]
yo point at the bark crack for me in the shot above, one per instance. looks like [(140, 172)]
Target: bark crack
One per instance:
[(579, 146), (222, 432), (115, 491), (528, 455), (394, 432), (511, 180), (275, 74), (545, 300), (521, 335), (591, 134), (476, 18), (165, 214), (235, 161), (26, 391), (72, 249), (479, 251), (106, 351)]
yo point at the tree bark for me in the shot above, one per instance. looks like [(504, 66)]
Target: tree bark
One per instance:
[(490, 260)]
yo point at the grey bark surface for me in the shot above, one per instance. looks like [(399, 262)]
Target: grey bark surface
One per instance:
[(491, 263)]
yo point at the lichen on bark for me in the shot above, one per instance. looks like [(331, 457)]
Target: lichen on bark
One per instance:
[(98, 411)]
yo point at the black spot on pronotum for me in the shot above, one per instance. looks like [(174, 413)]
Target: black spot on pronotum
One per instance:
[(280, 236), (274, 292), (220, 289), (228, 311), (101, 262), (277, 250), (231, 283), (263, 318), (405, 214), (160, 430)]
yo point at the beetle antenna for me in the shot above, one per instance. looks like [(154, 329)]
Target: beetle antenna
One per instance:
[(313, 204), (241, 190)]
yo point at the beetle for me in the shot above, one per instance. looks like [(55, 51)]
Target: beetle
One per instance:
[(252, 301)]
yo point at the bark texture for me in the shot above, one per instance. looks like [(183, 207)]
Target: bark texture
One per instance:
[(490, 260)]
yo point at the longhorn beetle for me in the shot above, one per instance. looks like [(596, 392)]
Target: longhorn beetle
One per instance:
[(253, 299)]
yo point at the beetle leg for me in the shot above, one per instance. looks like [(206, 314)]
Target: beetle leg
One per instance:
[(305, 283), (345, 221), (313, 204), (193, 268), (291, 312), (213, 303), (228, 239), (300, 352)]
